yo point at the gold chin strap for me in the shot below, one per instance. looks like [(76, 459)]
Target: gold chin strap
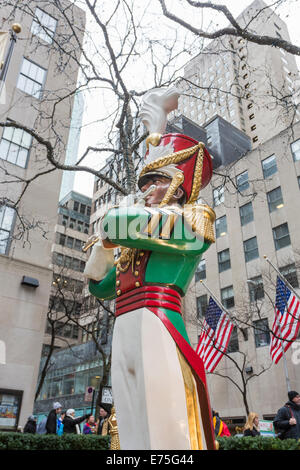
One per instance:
[(177, 180)]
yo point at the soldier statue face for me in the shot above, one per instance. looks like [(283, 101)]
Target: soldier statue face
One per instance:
[(162, 183)]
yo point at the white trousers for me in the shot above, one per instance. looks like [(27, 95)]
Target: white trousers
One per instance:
[(147, 385)]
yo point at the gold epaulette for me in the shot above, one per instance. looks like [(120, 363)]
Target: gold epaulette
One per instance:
[(201, 218)]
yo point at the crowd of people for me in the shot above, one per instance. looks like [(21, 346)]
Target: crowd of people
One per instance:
[(62, 422), (286, 422)]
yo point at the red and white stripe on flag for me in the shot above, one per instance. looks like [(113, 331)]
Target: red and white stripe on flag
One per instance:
[(214, 339), (287, 320)]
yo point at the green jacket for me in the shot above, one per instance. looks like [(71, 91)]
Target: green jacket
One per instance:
[(175, 251)]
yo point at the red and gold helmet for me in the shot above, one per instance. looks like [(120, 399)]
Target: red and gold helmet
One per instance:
[(182, 159)]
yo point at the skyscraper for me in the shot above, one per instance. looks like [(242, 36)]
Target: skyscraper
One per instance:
[(250, 85), (36, 77)]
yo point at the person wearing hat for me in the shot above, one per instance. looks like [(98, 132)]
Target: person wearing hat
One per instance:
[(287, 419), (71, 424), (30, 426), (158, 380), (51, 424), (104, 413)]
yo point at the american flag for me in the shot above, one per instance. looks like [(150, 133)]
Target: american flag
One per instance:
[(286, 324), (215, 337)]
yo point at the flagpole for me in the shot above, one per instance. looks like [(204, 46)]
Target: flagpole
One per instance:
[(286, 372), (15, 29)]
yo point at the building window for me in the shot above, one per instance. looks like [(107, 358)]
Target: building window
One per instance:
[(246, 213), (31, 78), (224, 260), (78, 245), (275, 200), (256, 288), (43, 26), (253, 127), (250, 249), (251, 116), (61, 239), (15, 145), (218, 195), (221, 226), (70, 242), (202, 304), (261, 332), (290, 274), (201, 271), (269, 166), (7, 219), (295, 148), (227, 297), (255, 139), (233, 345), (242, 181), (281, 236)]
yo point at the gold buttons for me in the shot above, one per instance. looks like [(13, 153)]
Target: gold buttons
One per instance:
[(138, 262), (142, 253), (119, 292), (136, 273), (117, 273), (118, 282), (137, 284)]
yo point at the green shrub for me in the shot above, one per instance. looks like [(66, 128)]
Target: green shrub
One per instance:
[(257, 443), (19, 441)]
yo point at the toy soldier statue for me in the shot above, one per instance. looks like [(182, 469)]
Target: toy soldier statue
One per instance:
[(158, 380)]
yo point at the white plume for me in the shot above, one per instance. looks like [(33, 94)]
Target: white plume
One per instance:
[(156, 106)]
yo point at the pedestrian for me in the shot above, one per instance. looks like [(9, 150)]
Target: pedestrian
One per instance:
[(60, 425), (221, 429), (71, 424), (90, 426), (51, 424), (104, 414), (251, 427), (30, 426), (287, 419)]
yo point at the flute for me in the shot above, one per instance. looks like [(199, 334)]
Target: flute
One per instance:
[(95, 238)]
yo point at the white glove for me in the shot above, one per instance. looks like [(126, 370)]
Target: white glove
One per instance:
[(99, 263)]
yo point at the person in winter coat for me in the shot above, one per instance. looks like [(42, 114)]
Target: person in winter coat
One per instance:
[(51, 425), (287, 419), (221, 429), (71, 424), (251, 428), (30, 426), (60, 426), (104, 414), (90, 426)]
